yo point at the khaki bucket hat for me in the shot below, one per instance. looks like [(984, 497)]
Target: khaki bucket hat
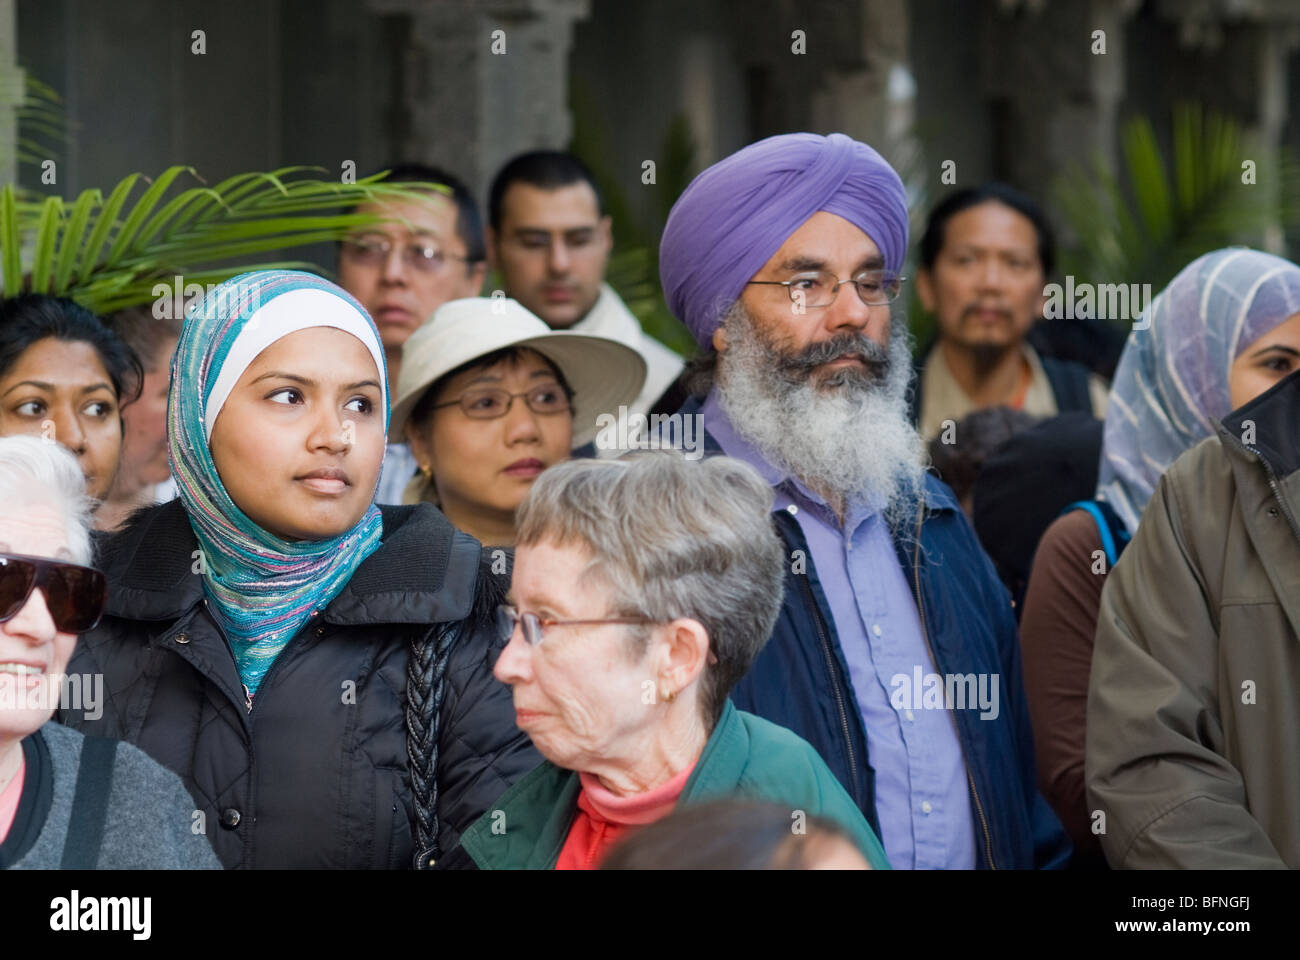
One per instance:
[(604, 374)]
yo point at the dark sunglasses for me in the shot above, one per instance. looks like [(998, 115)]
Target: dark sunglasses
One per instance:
[(75, 595)]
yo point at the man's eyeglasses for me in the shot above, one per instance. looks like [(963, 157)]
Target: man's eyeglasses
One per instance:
[(374, 252), (819, 288), (491, 404), (578, 243), (534, 626), (75, 595)]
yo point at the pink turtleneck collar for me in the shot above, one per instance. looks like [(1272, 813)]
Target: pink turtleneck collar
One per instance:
[(639, 808)]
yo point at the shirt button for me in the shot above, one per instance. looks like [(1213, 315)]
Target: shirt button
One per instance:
[(792, 509), (909, 716), (182, 638), (926, 808), (875, 628), (230, 818)]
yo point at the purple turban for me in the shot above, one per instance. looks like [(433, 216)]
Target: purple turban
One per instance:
[(738, 212)]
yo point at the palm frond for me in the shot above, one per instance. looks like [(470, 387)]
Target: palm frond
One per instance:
[(111, 253), (43, 127), (1164, 209)]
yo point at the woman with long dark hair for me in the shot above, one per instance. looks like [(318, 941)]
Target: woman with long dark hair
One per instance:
[(65, 376)]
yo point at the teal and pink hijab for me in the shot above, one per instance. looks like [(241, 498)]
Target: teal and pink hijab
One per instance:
[(260, 588)]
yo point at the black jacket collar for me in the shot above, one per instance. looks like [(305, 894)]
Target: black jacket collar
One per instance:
[(423, 572)]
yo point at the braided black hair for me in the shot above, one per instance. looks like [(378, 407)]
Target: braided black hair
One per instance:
[(426, 683)]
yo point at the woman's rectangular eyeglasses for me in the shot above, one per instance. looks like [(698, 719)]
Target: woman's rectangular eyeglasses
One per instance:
[(75, 595), (491, 404), (533, 625)]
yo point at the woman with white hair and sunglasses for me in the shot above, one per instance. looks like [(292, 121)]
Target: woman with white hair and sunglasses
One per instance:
[(66, 800)]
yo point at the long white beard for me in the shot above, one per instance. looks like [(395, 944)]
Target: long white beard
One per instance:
[(850, 436)]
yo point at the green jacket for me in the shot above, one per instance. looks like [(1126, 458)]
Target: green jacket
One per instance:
[(1194, 703), (745, 756)]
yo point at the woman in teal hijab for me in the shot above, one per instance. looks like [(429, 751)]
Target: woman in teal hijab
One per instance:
[(316, 668)]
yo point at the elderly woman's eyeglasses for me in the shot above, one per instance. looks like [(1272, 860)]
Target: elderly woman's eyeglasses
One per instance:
[(491, 404), (819, 288), (374, 251), (534, 626), (74, 595)]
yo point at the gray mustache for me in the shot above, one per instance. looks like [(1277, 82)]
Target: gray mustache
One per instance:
[(861, 346)]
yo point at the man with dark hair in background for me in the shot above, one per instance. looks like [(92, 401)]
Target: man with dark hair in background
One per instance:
[(985, 257), (550, 237), (401, 271)]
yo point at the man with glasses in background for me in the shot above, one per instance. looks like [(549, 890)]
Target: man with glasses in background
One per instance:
[(550, 238), (401, 271)]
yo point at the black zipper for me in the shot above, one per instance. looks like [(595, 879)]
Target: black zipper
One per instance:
[(252, 701), (835, 686), (925, 634)]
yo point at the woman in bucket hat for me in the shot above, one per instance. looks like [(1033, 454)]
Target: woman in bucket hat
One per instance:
[(490, 396)]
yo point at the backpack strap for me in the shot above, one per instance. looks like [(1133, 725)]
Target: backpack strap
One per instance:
[(1069, 382), (89, 804), (1114, 535)]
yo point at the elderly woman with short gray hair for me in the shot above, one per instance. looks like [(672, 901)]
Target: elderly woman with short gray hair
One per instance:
[(67, 800), (643, 589)]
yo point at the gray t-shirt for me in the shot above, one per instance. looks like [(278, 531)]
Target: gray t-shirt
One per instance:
[(151, 824)]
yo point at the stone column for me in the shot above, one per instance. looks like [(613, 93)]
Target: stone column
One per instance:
[(873, 100), (484, 80), (11, 93), (1054, 92), (1242, 52)]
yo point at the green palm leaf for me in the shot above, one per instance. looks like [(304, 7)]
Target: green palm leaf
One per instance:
[(141, 210), (10, 255), (46, 235), (107, 218), (109, 254), (73, 236), (1163, 210)]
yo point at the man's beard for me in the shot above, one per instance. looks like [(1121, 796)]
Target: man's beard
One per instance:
[(845, 432), (983, 354)]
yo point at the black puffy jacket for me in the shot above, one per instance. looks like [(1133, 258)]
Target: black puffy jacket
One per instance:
[(318, 773)]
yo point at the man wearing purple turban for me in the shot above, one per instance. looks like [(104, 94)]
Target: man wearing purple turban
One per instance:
[(896, 653)]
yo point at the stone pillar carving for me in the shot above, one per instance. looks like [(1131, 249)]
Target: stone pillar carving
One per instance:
[(473, 97), (1054, 93)]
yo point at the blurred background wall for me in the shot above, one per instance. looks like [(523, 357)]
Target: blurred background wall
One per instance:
[(1025, 91)]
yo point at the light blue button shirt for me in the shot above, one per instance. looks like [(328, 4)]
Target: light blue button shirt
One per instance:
[(399, 467), (922, 796)]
